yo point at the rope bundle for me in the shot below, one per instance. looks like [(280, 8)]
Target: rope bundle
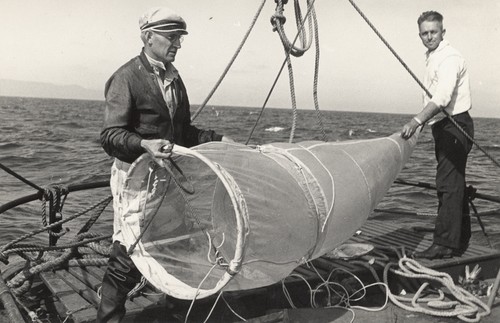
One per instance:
[(466, 306)]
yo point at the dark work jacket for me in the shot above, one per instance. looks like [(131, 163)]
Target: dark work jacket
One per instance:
[(136, 110)]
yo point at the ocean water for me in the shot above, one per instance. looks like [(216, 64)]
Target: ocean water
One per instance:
[(54, 141)]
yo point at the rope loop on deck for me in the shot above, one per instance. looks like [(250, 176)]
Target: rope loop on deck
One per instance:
[(466, 306)]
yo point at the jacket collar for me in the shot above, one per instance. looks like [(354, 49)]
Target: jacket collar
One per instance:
[(170, 71), (145, 62)]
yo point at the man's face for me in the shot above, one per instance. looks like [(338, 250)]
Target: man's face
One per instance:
[(164, 46), (431, 33)]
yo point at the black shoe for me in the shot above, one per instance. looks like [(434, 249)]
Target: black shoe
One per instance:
[(434, 252)]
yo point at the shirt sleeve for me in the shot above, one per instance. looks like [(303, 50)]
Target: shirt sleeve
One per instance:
[(448, 74)]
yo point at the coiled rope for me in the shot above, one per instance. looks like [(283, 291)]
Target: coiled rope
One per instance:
[(458, 302), (421, 84), (466, 307)]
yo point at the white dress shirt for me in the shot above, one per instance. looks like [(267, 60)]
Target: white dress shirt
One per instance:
[(447, 80)]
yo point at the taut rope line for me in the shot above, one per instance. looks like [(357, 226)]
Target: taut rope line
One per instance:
[(420, 83), (16, 175), (230, 63)]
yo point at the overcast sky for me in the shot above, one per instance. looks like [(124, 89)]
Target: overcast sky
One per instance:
[(84, 42)]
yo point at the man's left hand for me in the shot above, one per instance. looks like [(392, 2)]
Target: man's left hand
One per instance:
[(409, 129)]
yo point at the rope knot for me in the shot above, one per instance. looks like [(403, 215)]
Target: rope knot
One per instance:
[(277, 20), (54, 196)]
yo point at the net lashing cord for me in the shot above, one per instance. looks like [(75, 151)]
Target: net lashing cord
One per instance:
[(459, 303), (219, 259), (421, 84), (235, 55), (191, 212)]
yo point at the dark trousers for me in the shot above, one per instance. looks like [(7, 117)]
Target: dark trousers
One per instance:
[(452, 227), (121, 277)]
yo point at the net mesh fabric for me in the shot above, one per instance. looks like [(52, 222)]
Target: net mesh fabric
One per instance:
[(255, 213)]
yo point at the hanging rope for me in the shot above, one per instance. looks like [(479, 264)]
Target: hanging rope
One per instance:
[(278, 20), (221, 78), (54, 196), (422, 85), (271, 90)]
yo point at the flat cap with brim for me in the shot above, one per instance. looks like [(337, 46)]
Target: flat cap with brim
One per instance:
[(162, 19)]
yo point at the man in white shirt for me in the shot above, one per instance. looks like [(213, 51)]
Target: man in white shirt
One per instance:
[(447, 80)]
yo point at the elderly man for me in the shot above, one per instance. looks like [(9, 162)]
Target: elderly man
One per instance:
[(447, 80), (147, 110)]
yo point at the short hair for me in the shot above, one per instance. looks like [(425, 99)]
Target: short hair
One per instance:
[(430, 16)]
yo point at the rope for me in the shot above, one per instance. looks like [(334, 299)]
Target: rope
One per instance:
[(55, 196), (35, 232), (221, 78), (132, 247), (471, 191), (99, 208), (277, 20), (190, 211), (422, 85), (271, 90), (463, 304), (16, 175), (319, 117), (38, 248), (70, 313), (466, 305), (292, 97)]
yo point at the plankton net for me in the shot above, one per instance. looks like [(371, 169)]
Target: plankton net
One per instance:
[(226, 215)]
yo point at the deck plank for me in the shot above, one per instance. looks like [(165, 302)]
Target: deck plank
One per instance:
[(76, 306)]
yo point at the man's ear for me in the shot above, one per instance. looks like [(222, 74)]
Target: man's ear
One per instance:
[(149, 35)]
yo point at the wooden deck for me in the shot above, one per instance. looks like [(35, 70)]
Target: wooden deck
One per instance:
[(75, 289)]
